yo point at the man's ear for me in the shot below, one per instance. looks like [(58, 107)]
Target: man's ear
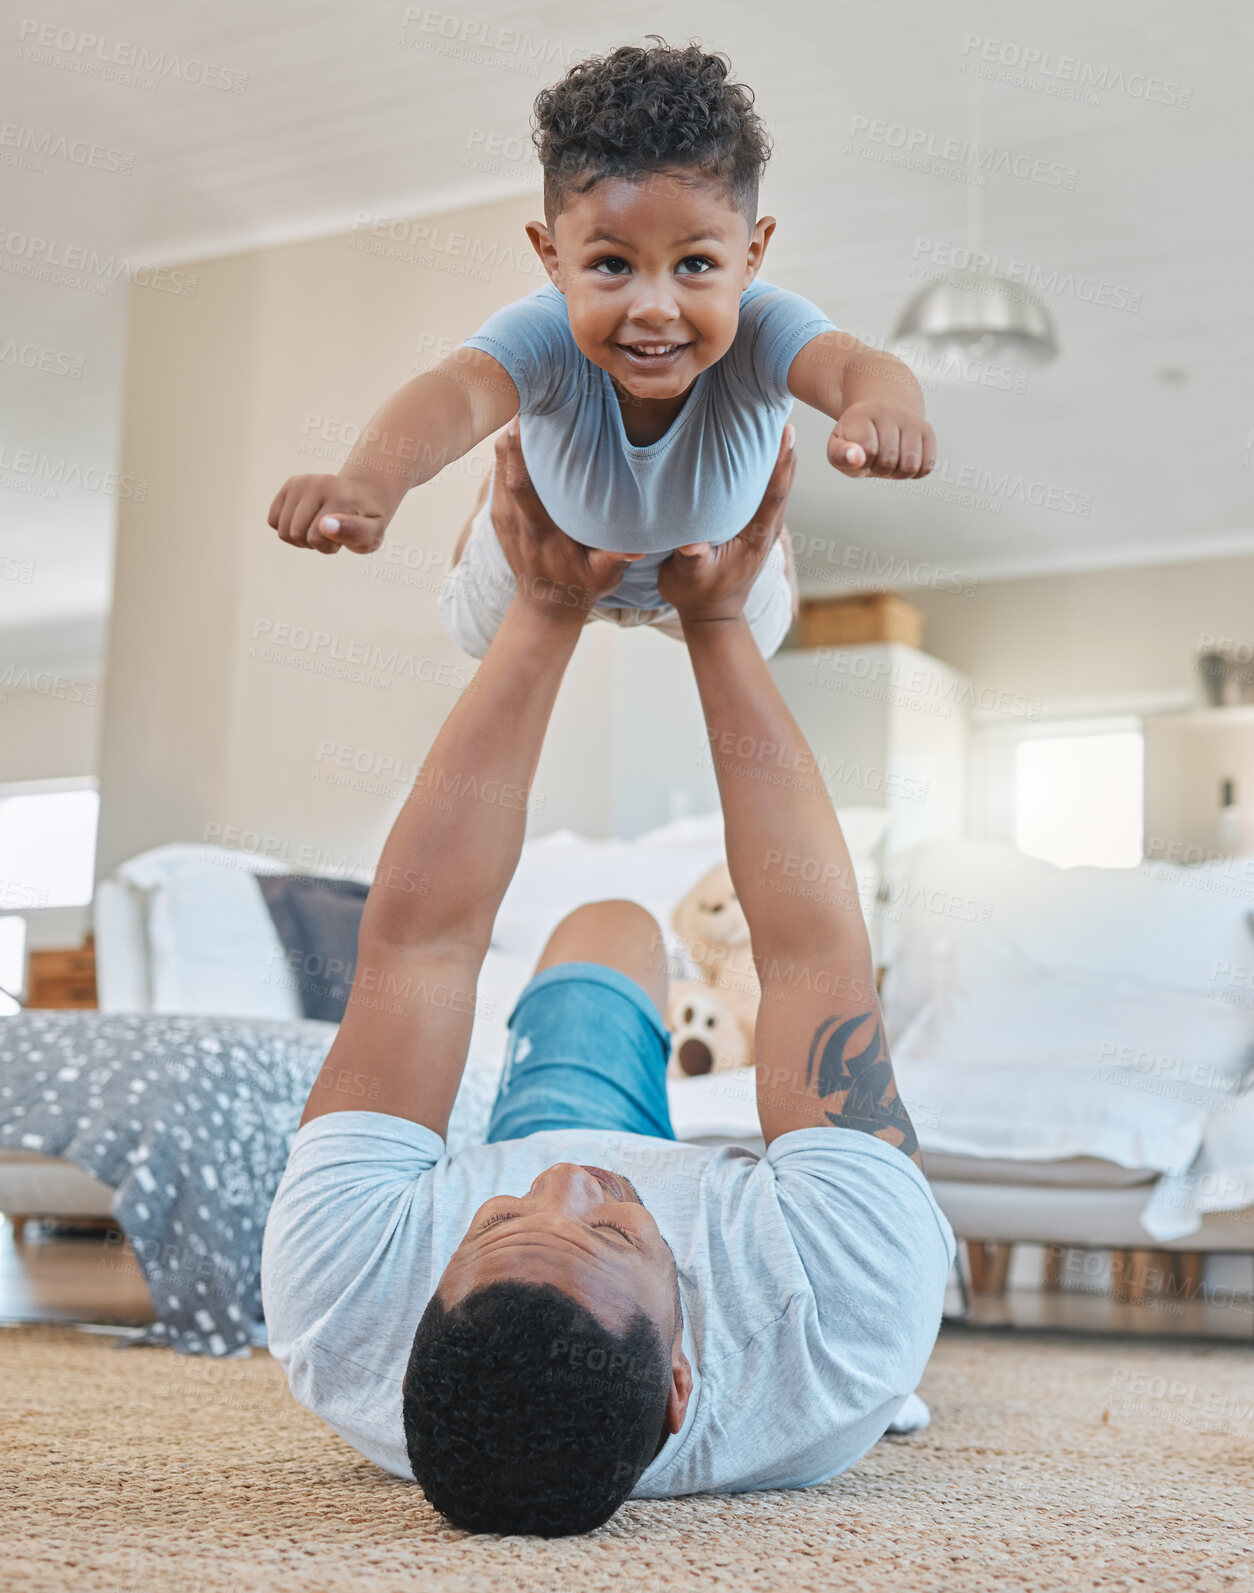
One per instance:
[(542, 243), (681, 1390), (758, 241)]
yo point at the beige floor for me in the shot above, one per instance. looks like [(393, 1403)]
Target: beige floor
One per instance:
[(1050, 1465)]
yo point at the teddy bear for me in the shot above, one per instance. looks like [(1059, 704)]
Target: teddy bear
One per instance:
[(705, 1037), (712, 1019)]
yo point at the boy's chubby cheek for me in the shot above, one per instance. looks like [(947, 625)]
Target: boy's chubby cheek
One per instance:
[(711, 349), (714, 331)]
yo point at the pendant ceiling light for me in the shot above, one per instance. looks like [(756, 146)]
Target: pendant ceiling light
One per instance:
[(986, 318), (976, 315)]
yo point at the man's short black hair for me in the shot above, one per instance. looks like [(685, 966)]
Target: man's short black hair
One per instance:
[(525, 1414), (642, 109)]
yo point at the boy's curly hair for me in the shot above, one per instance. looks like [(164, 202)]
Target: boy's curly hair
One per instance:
[(642, 109)]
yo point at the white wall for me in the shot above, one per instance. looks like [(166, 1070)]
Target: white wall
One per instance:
[(50, 698), (661, 764), (49, 726), (225, 716), (1092, 633)]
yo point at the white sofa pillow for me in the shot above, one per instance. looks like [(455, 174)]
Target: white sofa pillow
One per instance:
[(1159, 925), (212, 947), (1186, 1047), (560, 872)]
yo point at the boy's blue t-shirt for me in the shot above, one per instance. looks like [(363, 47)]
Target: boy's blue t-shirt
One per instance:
[(701, 481)]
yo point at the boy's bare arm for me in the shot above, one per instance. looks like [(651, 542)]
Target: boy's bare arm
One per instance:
[(876, 402), (427, 424)]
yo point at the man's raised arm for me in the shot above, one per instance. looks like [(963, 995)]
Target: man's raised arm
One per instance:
[(821, 1054), (455, 844)]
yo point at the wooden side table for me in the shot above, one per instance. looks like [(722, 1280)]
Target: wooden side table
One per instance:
[(62, 978)]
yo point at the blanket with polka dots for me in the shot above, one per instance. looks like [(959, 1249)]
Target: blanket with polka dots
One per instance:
[(189, 1120)]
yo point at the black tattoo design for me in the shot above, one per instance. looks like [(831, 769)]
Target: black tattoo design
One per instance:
[(851, 1063)]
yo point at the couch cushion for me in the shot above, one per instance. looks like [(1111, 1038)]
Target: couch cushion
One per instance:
[(1184, 1046), (975, 902), (317, 921)]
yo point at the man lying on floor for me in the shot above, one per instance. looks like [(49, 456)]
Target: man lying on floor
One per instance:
[(602, 1313)]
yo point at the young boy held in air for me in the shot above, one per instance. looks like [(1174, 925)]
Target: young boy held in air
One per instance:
[(652, 375)]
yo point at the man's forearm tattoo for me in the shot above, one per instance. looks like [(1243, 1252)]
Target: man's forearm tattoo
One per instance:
[(849, 1067)]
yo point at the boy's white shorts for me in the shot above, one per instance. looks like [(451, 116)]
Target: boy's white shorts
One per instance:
[(480, 587)]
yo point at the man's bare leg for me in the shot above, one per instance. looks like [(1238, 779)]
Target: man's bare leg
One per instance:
[(618, 934)]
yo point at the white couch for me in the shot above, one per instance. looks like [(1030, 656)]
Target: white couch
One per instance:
[(1071, 1044)]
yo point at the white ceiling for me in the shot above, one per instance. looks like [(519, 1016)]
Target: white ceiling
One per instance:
[(1148, 415)]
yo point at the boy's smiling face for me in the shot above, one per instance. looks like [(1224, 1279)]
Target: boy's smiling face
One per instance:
[(652, 269)]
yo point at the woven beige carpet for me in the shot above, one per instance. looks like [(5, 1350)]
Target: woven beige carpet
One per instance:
[(1050, 1464)]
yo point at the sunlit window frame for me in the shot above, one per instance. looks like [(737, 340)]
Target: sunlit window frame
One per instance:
[(994, 750), (48, 787), (1085, 730)]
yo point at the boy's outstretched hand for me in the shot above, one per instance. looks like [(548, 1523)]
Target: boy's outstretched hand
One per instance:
[(878, 437), (328, 513), (711, 583)]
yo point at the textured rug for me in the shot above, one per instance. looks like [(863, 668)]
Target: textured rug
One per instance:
[(1050, 1465)]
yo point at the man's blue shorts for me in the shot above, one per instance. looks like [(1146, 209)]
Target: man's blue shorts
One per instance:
[(587, 1049)]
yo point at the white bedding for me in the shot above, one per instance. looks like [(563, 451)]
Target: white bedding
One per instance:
[(1040, 1016), (1220, 1180), (962, 908), (1179, 1044), (989, 1112)]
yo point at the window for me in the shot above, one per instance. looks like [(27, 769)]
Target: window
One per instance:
[(1079, 797), (47, 844)]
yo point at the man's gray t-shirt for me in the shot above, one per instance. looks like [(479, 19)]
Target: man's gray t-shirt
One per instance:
[(812, 1280)]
